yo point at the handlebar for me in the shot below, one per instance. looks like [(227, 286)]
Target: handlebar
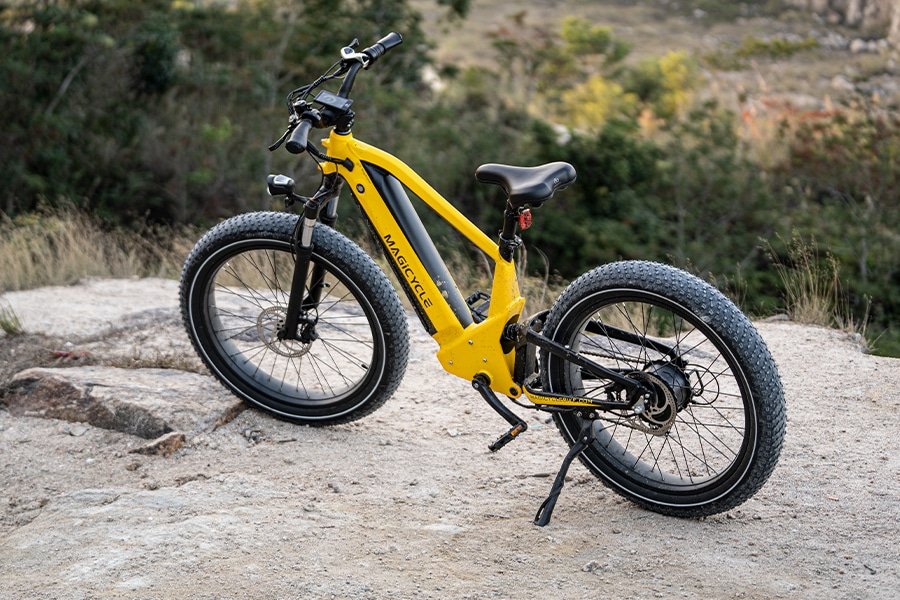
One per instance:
[(335, 112), (372, 53)]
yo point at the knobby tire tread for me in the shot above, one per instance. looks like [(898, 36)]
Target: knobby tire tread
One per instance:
[(734, 329), (353, 261)]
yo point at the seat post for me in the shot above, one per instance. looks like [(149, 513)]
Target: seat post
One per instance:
[(509, 241)]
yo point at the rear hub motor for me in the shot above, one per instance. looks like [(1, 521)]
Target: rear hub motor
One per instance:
[(669, 394)]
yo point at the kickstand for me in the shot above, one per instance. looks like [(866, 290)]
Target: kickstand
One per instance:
[(585, 437)]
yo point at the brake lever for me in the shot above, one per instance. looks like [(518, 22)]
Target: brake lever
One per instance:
[(281, 140), (292, 124), (348, 56)]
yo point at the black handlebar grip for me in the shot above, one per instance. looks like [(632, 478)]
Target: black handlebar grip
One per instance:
[(391, 40), (296, 144), (377, 50)]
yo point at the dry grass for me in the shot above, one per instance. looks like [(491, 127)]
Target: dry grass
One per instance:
[(9, 321), (811, 284), (59, 247), (812, 287), (540, 292)]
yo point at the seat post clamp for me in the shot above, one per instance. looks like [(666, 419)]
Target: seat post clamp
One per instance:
[(508, 246)]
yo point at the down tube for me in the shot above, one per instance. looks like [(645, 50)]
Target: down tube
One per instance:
[(400, 206)]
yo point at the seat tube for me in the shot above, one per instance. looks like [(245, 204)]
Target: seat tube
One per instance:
[(509, 241)]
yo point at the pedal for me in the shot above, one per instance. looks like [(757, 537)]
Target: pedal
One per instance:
[(508, 437), (482, 384)]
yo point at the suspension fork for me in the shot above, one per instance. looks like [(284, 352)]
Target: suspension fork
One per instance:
[(325, 198), (327, 217)]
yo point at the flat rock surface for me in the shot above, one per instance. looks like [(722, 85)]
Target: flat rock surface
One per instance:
[(408, 502), (144, 402), (95, 306)]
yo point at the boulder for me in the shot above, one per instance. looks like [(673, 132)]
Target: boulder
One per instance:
[(96, 307), (858, 46), (840, 82), (148, 403)]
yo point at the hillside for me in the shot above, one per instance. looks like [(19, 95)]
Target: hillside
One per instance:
[(853, 54), (407, 503)]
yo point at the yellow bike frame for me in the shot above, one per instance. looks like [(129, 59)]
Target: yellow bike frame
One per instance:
[(466, 350)]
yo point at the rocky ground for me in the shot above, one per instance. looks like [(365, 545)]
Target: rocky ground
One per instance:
[(407, 503)]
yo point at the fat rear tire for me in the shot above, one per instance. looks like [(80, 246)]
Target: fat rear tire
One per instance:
[(730, 355)]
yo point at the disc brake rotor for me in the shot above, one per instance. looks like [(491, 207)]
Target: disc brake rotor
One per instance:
[(659, 411), (269, 321)]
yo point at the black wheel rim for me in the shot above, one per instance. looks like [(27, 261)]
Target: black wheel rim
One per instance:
[(246, 292)]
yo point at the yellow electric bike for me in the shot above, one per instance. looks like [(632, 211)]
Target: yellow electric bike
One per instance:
[(655, 380)]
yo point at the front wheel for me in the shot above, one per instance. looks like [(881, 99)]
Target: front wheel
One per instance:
[(351, 348), (711, 430)]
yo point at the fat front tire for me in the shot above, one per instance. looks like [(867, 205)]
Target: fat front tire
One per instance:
[(712, 431), (352, 347)]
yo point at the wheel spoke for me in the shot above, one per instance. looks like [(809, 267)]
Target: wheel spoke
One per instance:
[(246, 294)]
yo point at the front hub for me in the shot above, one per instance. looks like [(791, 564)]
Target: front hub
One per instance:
[(269, 324)]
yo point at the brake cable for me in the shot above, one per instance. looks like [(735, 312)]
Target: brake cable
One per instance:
[(305, 90)]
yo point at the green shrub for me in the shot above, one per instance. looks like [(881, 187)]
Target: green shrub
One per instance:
[(774, 47), (9, 321)]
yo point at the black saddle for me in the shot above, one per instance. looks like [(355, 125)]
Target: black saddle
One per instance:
[(527, 186)]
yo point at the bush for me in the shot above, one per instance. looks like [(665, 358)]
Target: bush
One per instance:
[(776, 47)]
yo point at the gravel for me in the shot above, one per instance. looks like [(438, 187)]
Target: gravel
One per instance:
[(408, 503)]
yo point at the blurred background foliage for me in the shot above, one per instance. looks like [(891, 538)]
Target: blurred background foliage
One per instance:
[(158, 113)]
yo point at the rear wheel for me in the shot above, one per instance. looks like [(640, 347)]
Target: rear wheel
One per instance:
[(711, 430), (352, 346)]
